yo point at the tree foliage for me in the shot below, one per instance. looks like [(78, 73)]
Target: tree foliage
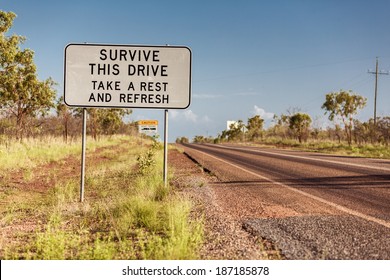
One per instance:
[(383, 128), (22, 95), (182, 140), (236, 131), (255, 127), (104, 121), (344, 105), (25, 100), (299, 123), (199, 139)]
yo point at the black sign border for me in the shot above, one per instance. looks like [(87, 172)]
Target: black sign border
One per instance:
[(137, 46)]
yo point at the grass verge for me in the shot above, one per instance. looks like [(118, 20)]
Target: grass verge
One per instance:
[(32, 152), (127, 214), (366, 150)]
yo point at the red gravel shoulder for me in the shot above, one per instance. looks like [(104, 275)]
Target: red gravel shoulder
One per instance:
[(224, 237)]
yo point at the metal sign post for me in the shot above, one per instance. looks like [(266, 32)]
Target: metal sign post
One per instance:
[(165, 174), (84, 140)]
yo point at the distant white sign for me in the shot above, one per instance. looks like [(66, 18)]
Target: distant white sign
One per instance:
[(127, 76)]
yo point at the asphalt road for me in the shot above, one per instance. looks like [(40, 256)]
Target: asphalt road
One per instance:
[(310, 205)]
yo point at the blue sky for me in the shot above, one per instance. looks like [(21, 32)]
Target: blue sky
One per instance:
[(249, 57)]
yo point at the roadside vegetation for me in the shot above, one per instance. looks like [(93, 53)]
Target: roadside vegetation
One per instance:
[(128, 212), (296, 129)]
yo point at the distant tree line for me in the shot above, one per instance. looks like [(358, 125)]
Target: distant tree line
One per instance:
[(341, 108), (29, 107)]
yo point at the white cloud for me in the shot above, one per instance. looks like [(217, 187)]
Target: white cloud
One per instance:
[(173, 114), (262, 113), (191, 116)]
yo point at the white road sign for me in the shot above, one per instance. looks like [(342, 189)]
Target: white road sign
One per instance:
[(127, 76)]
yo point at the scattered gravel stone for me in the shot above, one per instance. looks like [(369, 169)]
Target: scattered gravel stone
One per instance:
[(225, 237)]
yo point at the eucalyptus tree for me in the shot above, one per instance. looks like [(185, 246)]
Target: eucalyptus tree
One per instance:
[(255, 127), (22, 95), (344, 105), (299, 123)]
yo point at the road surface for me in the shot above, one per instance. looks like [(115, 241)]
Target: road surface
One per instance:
[(309, 205)]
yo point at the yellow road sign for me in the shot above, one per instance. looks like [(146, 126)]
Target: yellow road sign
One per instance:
[(148, 122)]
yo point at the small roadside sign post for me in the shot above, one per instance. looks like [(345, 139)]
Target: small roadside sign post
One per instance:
[(127, 76)]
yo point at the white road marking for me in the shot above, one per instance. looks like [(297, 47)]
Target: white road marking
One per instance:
[(307, 158), (338, 207)]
